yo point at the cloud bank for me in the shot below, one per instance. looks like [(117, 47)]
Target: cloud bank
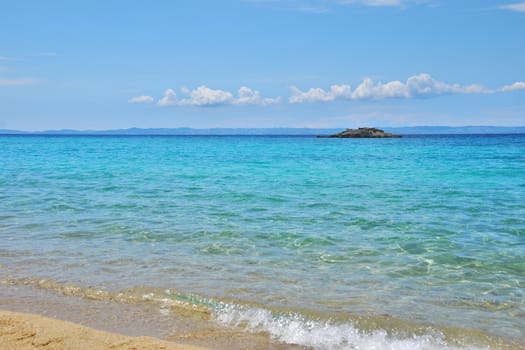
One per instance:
[(203, 96), (417, 86)]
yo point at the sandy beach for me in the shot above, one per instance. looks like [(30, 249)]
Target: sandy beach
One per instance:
[(26, 331)]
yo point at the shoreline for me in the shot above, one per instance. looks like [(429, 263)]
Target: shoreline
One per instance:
[(187, 329), (23, 331), (143, 325)]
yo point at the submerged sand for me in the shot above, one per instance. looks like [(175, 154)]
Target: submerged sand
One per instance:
[(26, 331)]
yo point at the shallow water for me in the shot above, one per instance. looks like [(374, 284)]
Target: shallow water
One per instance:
[(315, 241)]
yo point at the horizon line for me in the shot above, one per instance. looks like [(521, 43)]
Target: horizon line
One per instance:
[(232, 131)]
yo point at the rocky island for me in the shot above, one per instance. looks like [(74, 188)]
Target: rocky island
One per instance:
[(363, 133)]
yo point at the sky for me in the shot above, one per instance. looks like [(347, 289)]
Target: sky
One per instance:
[(95, 65)]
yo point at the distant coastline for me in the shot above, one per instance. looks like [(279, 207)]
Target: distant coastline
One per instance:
[(409, 130)]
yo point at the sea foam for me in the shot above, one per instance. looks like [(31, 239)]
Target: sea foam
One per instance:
[(292, 328)]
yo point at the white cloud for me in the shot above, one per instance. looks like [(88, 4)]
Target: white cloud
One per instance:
[(17, 82), (519, 6), (320, 95), (203, 96), (169, 98), (417, 86), (141, 99), (421, 85), (519, 85), (369, 89), (247, 96)]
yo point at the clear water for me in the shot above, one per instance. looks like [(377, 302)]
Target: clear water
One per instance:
[(329, 243)]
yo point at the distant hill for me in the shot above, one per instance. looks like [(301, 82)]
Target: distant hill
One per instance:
[(11, 132), (410, 130), (179, 131), (456, 130)]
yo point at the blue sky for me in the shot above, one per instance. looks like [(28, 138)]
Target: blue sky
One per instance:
[(261, 63)]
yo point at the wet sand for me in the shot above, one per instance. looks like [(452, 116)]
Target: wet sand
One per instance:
[(131, 321)]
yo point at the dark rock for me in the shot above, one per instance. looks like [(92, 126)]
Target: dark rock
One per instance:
[(363, 133)]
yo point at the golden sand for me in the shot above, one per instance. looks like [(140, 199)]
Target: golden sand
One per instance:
[(26, 331)]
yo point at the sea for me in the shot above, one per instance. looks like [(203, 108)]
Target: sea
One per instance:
[(304, 242)]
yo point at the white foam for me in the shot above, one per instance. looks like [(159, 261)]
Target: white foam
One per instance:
[(323, 335)]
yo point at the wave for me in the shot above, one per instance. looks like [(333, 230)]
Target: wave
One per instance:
[(288, 327), (293, 328)]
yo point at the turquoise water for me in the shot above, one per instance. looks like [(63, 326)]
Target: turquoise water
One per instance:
[(315, 241)]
